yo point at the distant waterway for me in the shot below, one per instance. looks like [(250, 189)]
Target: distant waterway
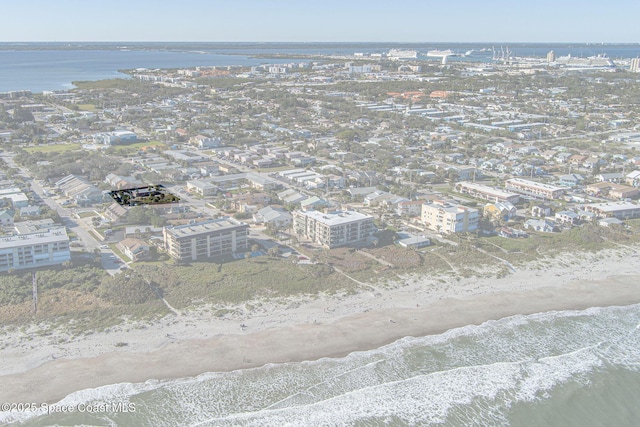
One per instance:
[(40, 70), (54, 66)]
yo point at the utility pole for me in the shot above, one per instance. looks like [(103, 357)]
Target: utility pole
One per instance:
[(34, 280)]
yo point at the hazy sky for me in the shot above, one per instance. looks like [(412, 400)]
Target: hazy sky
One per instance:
[(321, 20)]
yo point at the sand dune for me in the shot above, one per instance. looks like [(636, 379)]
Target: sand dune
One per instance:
[(43, 369)]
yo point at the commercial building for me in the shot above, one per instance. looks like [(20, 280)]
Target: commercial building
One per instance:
[(486, 193), (534, 189), (38, 247), (449, 218), (209, 239), (331, 230)]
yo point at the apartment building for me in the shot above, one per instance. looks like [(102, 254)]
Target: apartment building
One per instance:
[(204, 240), (620, 210), (486, 192), (534, 189), (449, 218), (37, 248), (335, 229)]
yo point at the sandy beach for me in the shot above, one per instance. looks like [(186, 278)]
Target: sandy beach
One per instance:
[(46, 368)]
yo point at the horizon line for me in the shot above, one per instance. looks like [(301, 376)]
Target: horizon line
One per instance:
[(318, 42)]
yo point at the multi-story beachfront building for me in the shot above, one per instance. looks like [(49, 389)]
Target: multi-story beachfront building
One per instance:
[(487, 193), (534, 189), (38, 248), (209, 239), (334, 229), (448, 218)]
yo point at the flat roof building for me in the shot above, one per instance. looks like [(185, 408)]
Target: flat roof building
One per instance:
[(206, 240), (40, 248), (534, 189), (446, 217), (332, 230), (485, 192), (620, 210)]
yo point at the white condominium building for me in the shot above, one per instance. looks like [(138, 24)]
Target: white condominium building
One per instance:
[(334, 229), (41, 248)]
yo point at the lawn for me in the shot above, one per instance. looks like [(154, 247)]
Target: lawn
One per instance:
[(86, 107), (87, 214), (131, 148), (53, 148)]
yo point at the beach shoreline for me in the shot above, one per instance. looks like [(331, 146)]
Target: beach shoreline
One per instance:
[(309, 328)]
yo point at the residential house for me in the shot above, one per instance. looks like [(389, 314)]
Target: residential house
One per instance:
[(570, 180), (202, 188), (414, 242), (567, 217), (314, 203), (122, 182), (541, 211), (278, 218), (114, 213), (633, 178), (409, 208), (29, 211), (6, 218), (541, 225), (610, 177), (501, 210), (134, 249), (240, 201)]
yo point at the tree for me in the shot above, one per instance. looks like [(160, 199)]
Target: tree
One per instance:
[(274, 252), (22, 115), (138, 215)]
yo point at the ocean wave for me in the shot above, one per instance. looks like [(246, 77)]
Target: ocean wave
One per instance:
[(465, 374)]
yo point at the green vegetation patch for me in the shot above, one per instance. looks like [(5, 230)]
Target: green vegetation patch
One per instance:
[(53, 148), (240, 280), (86, 107)]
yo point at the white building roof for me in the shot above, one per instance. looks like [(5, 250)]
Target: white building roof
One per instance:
[(337, 218)]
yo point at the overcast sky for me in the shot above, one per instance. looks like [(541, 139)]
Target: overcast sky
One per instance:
[(321, 20)]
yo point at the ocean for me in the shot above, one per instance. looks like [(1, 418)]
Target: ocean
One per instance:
[(54, 66), (567, 368)]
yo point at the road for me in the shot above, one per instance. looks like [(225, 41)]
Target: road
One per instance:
[(76, 226)]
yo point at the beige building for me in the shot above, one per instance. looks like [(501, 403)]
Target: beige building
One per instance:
[(485, 192), (334, 229), (209, 239), (449, 218), (534, 189)]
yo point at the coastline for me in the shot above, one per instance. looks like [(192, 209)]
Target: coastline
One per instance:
[(309, 328)]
